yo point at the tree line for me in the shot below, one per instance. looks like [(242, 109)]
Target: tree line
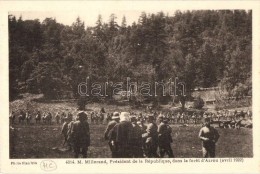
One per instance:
[(203, 48)]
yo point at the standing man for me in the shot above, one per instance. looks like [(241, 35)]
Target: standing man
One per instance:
[(209, 136), (64, 131), (136, 139), (110, 135), (164, 138), (80, 135), (151, 137), (143, 127), (57, 118), (124, 129)]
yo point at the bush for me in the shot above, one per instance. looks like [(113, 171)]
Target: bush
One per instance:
[(198, 103)]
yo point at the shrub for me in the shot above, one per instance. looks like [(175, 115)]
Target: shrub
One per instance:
[(198, 103)]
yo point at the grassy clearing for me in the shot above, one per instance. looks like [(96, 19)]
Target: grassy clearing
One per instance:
[(38, 141)]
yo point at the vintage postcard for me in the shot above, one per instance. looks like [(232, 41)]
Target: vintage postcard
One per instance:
[(130, 86)]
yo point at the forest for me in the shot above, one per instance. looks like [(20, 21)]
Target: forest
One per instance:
[(203, 48)]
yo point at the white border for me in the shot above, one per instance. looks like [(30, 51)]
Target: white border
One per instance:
[(251, 165)]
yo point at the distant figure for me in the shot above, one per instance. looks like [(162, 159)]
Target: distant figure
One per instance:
[(101, 117), (21, 117), (28, 118), (63, 117), (38, 117), (102, 110), (164, 138), (80, 135), (209, 137), (92, 117), (70, 117), (11, 117), (48, 118), (109, 117), (57, 118), (110, 135)]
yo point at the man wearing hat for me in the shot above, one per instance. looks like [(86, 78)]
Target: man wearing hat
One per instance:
[(136, 139), (110, 134), (209, 137), (143, 127), (164, 137), (151, 137), (80, 135), (64, 131), (123, 138)]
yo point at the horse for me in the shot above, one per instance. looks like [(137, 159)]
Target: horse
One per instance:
[(63, 117), (21, 117), (48, 118), (57, 118), (38, 117), (28, 118), (12, 117)]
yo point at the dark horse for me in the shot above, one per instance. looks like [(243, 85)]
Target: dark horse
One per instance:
[(38, 117), (21, 117)]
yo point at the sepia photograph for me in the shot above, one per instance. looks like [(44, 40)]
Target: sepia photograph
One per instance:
[(163, 84), (129, 86)]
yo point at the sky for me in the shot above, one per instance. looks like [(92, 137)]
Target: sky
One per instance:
[(66, 12), (90, 17)]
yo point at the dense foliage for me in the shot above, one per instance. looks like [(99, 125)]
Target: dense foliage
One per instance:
[(198, 103), (201, 48)]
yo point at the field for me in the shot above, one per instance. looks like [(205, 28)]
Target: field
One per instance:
[(40, 141), (45, 141)]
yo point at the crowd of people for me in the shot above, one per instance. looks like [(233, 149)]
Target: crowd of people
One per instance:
[(224, 118), (135, 135), (129, 137)]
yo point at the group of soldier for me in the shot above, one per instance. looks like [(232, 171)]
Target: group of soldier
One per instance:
[(129, 137), (134, 135), (197, 118), (225, 119), (76, 134), (45, 117)]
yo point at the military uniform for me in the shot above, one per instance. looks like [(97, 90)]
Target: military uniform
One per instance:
[(151, 136), (123, 138), (136, 140), (123, 131), (57, 117), (64, 132), (80, 136), (110, 136), (165, 139)]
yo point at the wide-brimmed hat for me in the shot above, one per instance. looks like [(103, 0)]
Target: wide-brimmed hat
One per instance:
[(115, 115), (161, 116), (82, 115), (133, 118), (151, 117), (124, 116), (207, 119)]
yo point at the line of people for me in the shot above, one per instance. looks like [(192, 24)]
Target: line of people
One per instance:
[(45, 117), (128, 137)]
